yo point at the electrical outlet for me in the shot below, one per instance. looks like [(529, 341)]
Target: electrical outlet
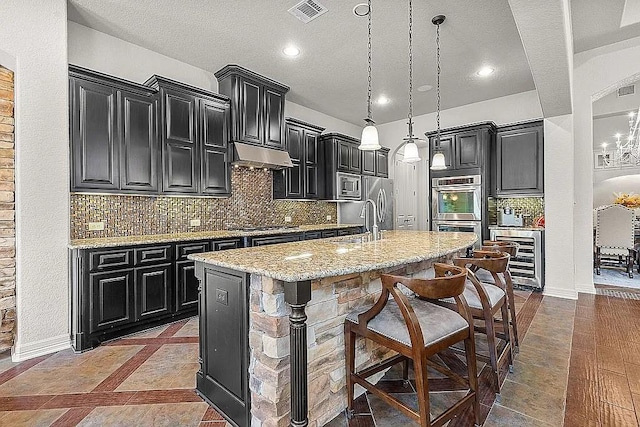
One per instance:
[(328, 217), (96, 226), (194, 223), (287, 219)]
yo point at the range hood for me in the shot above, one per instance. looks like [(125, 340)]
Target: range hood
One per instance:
[(260, 157)]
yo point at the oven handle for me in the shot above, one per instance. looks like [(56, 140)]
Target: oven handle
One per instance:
[(450, 189), (458, 223)]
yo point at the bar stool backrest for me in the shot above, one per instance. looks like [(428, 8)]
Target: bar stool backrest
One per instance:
[(448, 283), (500, 245)]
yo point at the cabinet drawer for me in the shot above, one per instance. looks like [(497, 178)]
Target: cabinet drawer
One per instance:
[(329, 233), (221, 245), (311, 235), (345, 232), (152, 255), (110, 259), (183, 250)]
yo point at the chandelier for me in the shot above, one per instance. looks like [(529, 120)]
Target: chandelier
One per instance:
[(626, 152)]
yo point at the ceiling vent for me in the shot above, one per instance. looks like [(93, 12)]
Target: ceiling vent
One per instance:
[(308, 10), (627, 90)]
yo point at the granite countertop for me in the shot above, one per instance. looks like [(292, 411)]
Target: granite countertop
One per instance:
[(314, 259), (504, 227), (103, 242)]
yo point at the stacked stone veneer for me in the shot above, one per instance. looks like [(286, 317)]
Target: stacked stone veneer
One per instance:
[(331, 300), (7, 213)]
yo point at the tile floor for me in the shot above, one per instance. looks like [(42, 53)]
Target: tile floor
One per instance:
[(147, 379)]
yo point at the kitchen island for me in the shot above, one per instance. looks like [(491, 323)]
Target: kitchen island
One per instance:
[(271, 320)]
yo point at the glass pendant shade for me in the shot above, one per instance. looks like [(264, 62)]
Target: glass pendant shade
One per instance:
[(369, 140), (410, 153), (438, 162)]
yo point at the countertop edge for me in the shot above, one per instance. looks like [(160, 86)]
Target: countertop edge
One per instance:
[(208, 235), (329, 273)]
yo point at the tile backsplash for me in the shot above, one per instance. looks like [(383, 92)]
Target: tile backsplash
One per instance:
[(250, 205), (531, 207)]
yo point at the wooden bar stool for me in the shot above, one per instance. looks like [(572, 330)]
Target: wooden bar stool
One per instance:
[(512, 249), (485, 301), (417, 329)]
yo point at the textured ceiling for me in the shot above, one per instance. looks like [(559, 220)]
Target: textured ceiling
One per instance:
[(597, 23), (330, 73)]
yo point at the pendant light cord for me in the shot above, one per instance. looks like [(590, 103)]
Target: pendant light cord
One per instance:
[(369, 61), (410, 70), (438, 83)]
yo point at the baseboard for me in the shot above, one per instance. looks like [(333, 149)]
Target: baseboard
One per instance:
[(28, 351), (586, 289), (560, 293)]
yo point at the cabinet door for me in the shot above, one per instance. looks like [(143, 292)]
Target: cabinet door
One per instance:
[(446, 147), (467, 150), (312, 172), (139, 148), (520, 161), (214, 148), (179, 143), (112, 299), (94, 136), (153, 291), (344, 156), (273, 118), (186, 286), (382, 164), (354, 159), (294, 175), (368, 162), (250, 108)]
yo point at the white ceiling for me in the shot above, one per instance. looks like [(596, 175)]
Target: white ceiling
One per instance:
[(598, 23), (330, 74)]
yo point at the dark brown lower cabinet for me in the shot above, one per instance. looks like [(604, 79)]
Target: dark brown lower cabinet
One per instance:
[(111, 296), (187, 286), (153, 291)]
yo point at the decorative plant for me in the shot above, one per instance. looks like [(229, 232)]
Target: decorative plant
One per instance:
[(629, 200)]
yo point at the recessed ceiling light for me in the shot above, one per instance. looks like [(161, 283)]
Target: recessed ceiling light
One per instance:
[(425, 88), (361, 9), (382, 100), (291, 51), (485, 71)]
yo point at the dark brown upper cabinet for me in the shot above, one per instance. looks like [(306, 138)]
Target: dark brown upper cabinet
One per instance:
[(519, 160), (341, 153), (305, 180), (375, 163), (466, 149), (194, 139), (368, 159), (257, 106)]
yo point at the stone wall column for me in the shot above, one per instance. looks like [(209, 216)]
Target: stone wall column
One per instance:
[(7, 213)]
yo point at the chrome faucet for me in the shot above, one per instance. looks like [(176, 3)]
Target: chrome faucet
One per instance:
[(374, 229)]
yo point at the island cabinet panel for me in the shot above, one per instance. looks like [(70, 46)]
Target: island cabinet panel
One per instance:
[(94, 136), (519, 160), (112, 296), (224, 342), (257, 106), (305, 180)]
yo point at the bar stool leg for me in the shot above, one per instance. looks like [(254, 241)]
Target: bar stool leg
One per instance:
[(507, 334), (422, 386), (472, 369), (350, 354), (512, 309), (493, 353)]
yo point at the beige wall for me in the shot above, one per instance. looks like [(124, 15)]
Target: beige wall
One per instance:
[(33, 35)]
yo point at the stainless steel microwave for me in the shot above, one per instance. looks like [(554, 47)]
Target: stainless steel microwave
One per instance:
[(348, 186)]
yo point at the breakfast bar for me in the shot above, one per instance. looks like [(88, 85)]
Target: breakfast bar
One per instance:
[(271, 320)]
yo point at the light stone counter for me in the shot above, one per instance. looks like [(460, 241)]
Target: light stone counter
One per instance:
[(104, 242), (313, 259), (298, 297)]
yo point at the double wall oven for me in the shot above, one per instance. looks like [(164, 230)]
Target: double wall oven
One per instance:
[(456, 204)]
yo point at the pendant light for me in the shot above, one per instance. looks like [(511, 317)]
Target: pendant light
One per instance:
[(410, 148), (438, 162), (369, 140)]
